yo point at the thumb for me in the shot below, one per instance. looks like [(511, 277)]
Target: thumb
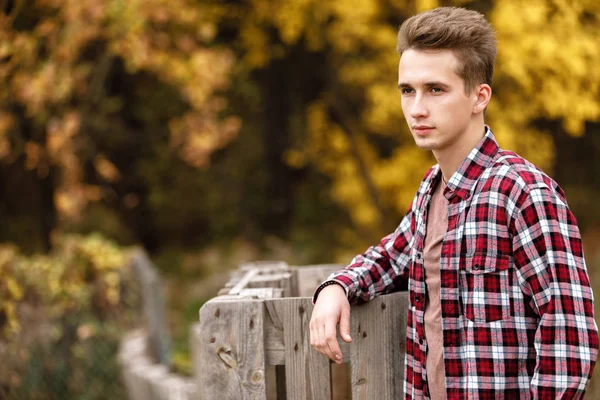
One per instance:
[(345, 325)]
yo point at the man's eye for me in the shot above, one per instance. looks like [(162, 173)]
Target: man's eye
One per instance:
[(437, 90), (406, 90)]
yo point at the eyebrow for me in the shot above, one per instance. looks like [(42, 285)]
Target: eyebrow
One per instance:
[(403, 85)]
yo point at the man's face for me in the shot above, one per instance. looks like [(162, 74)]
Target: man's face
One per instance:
[(436, 108)]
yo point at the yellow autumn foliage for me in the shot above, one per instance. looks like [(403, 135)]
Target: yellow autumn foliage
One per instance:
[(546, 71), (83, 274), (56, 66), (546, 81)]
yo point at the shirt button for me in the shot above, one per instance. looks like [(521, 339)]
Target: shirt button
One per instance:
[(421, 342), (476, 267), (468, 195), (419, 256), (418, 299)]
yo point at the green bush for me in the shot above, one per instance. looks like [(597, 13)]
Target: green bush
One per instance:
[(61, 318)]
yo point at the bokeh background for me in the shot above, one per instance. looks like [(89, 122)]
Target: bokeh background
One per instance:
[(212, 132)]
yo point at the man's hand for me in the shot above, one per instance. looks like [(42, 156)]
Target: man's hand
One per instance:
[(332, 307)]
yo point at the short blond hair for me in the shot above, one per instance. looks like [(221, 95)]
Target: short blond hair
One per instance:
[(465, 32)]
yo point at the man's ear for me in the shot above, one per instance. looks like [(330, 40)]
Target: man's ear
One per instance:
[(483, 95)]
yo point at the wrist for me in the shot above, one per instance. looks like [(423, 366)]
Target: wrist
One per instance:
[(328, 285)]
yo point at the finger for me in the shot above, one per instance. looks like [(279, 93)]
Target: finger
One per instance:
[(332, 346), (345, 325), (323, 349), (315, 340), (312, 334)]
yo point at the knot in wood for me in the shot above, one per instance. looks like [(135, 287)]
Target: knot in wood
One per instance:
[(361, 381), (257, 376), (226, 356), (218, 313), (383, 306), (301, 310)]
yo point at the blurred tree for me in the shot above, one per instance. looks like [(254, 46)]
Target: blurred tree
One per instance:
[(123, 101), (547, 88), (88, 86)]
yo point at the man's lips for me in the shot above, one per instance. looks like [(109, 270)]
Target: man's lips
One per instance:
[(422, 129)]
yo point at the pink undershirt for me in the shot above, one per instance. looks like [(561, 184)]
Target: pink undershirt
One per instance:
[(437, 223)]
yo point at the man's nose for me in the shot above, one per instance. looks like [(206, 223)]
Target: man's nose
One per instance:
[(418, 108)]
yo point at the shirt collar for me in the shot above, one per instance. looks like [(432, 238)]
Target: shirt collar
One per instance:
[(462, 181)]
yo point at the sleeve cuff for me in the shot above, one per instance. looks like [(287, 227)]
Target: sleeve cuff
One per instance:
[(324, 285)]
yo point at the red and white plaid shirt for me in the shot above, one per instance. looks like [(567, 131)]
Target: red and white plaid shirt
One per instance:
[(517, 307)]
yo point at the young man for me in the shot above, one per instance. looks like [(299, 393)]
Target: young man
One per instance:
[(500, 301)]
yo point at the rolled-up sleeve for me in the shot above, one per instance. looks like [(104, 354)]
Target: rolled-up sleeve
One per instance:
[(381, 269)]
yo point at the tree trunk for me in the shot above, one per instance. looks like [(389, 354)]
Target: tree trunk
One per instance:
[(276, 94), (48, 215)]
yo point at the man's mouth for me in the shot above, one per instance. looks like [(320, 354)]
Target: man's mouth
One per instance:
[(422, 129)]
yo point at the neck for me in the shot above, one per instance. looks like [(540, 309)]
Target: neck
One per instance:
[(452, 156)]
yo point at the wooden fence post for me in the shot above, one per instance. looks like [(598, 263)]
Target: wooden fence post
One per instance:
[(153, 306), (231, 350), (378, 331), (307, 373)]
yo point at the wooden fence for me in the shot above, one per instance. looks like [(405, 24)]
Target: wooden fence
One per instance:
[(253, 341)]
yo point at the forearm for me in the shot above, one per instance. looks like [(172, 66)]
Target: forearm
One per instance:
[(566, 348), (552, 272), (381, 269)]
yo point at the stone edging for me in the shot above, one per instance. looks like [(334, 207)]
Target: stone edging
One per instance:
[(146, 379)]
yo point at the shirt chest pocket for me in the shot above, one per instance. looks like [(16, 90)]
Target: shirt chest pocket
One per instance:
[(484, 287)]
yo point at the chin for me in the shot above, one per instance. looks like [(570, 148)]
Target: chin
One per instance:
[(426, 144)]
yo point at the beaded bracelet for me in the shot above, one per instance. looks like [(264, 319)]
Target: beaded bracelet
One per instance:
[(323, 286)]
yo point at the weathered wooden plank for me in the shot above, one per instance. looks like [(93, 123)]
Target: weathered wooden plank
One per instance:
[(378, 330), (307, 373), (234, 277), (231, 350), (195, 337), (311, 276), (273, 331), (265, 266), (275, 349), (262, 293), (279, 280), (268, 278), (243, 282), (153, 306), (291, 285)]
